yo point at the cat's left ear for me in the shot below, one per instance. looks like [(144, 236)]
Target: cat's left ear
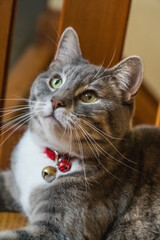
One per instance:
[(129, 73), (68, 48)]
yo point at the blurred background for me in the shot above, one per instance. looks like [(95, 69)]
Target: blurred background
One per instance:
[(143, 38), (36, 29)]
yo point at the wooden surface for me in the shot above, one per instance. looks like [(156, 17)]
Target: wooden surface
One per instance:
[(145, 107), (11, 221), (7, 14), (101, 26), (34, 60), (9, 145), (158, 116)]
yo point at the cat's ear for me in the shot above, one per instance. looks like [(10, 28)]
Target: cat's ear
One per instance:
[(68, 48), (129, 73)]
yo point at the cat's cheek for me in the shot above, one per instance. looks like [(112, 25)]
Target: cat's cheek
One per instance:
[(62, 117), (44, 111)]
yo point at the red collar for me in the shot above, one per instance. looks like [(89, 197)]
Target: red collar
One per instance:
[(62, 160)]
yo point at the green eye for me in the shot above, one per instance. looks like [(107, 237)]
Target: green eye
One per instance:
[(56, 82), (88, 97)]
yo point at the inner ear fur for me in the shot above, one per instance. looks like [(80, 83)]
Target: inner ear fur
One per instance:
[(68, 48), (129, 74)]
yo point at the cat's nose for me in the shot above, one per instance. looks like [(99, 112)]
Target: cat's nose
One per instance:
[(57, 103)]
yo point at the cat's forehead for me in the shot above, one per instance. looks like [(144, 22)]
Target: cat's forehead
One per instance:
[(81, 74)]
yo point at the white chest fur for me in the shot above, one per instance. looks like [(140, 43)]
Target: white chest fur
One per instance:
[(29, 160)]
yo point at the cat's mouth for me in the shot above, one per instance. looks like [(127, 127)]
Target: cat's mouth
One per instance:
[(54, 120), (58, 117)]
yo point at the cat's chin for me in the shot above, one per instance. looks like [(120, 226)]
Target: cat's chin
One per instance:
[(56, 121), (53, 120), (54, 140)]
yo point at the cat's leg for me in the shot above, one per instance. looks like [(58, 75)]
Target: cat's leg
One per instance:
[(134, 230), (37, 231), (7, 201)]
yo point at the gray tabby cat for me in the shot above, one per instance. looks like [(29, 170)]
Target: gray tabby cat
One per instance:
[(110, 185)]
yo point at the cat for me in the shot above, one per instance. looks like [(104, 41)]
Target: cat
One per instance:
[(81, 171)]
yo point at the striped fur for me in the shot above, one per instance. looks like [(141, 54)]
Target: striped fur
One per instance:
[(113, 188)]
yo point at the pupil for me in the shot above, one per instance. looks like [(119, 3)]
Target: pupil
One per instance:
[(57, 81), (89, 97)]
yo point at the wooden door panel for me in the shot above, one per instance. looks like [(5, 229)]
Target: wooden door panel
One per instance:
[(101, 27)]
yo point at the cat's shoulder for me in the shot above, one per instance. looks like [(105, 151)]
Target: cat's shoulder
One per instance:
[(146, 137), (146, 131)]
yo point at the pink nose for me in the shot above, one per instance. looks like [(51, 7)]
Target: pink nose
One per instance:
[(56, 103)]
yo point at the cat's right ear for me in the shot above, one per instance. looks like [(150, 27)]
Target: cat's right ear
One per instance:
[(129, 73), (68, 48)]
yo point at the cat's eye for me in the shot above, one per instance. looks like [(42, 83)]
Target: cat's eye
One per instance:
[(88, 97), (56, 82)]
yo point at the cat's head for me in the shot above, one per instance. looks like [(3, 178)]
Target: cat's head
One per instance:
[(77, 104)]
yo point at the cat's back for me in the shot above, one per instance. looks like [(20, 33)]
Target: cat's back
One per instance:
[(147, 133), (144, 150), (141, 219), (145, 143)]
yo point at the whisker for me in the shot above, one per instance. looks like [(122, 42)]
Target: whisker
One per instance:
[(6, 138), (21, 116), (87, 139), (8, 129), (70, 140), (13, 117), (101, 66), (64, 132), (103, 152), (82, 157), (12, 107), (102, 164), (101, 133), (114, 53), (98, 77), (99, 130), (84, 115), (11, 99), (21, 99), (109, 171), (49, 37), (13, 111)]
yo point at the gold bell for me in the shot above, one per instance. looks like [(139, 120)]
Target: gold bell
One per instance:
[(49, 173)]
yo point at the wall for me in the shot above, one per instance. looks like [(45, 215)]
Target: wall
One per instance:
[(143, 38)]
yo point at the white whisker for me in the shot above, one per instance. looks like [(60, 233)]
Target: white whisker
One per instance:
[(103, 152), (12, 107), (99, 130), (99, 159), (114, 53), (21, 116), (26, 120), (82, 156), (87, 139), (13, 111), (8, 129), (101, 66), (102, 134), (99, 77)]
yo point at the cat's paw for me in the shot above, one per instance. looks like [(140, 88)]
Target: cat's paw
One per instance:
[(8, 235)]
